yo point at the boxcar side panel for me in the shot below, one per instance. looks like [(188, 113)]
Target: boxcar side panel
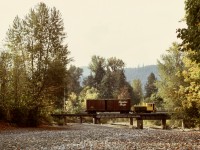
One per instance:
[(95, 105), (118, 105)]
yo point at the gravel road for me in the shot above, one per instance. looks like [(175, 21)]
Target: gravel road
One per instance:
[(98, 137)]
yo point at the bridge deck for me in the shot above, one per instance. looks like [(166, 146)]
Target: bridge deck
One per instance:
[(163, 116), (144, 116)]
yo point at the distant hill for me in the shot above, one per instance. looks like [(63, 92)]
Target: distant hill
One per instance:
[(86, 71), (141, 73)]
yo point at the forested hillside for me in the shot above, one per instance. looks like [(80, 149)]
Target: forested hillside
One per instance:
[(141, 73)]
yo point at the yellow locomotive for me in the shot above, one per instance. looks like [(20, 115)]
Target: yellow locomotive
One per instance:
[(144, 107), (117, 105)]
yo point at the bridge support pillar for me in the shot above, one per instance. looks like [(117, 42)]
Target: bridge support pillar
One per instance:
[(164, 126), (98, 120), (131, 121), (81, 119), (140, 123), (94, 120), (65, 120)]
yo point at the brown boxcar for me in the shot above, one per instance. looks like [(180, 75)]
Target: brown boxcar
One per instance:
[(118, 105), (108, 105), (93, 106)]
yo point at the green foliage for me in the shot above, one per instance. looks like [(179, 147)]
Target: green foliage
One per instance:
[(137, 91), (158, 100), (107, 76), (190, 35), (189, 91), (88, 93), (5, 98), (73, 105), (126, 92), (150, 87), (170, 80), (73, 83), (106, 85), (34, 73), (179, 85), (97, 66)]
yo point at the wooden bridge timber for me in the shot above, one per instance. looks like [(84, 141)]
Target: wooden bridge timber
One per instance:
[(163, 116)]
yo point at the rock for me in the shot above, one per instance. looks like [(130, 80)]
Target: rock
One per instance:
[(98, 137)]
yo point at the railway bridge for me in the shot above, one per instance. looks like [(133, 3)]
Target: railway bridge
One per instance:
[(163, 116)]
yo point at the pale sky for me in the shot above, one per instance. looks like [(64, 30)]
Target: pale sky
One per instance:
[(136, 31)]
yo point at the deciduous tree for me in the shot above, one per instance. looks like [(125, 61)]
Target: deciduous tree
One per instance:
[(39, 59), (190, 34), (169, 68)]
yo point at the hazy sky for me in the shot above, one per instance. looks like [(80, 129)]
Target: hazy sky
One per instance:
[(136, 31)]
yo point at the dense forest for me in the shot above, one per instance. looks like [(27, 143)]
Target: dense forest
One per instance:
[(36, 78), (131, 74)]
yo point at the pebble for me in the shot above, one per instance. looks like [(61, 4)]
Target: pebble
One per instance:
[(99, 137)]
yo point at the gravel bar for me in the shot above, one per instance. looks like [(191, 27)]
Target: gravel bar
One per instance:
[(98, 137)]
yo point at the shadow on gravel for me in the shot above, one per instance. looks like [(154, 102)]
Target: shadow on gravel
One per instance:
[(8, 127)]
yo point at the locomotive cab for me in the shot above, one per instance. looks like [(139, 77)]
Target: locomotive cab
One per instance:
[(144, 108), (150, 107)]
